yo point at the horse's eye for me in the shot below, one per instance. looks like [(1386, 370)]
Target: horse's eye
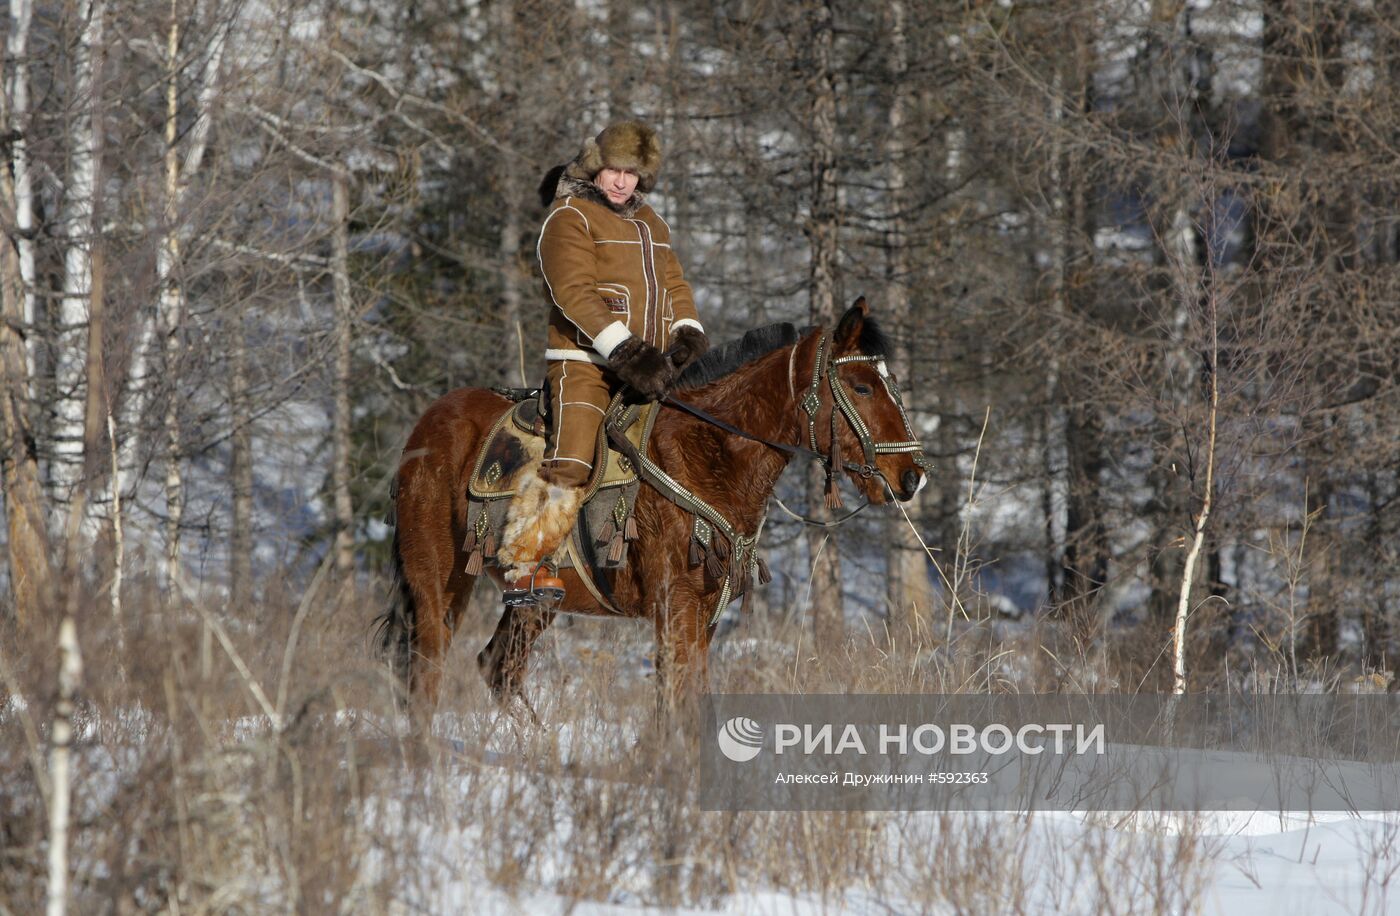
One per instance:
[(863, 390)]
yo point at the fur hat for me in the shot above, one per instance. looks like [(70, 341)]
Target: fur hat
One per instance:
[(625, 145)]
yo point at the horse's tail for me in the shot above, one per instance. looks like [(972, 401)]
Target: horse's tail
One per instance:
[(394, 628)]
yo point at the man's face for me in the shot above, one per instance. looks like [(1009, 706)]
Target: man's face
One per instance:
[(618, 184)]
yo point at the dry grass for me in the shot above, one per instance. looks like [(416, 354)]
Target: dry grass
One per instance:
[(189, 799)]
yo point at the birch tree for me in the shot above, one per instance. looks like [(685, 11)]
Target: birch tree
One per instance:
[(17, 87), (340, 430), (31, 578), (181, 161), (79, 233)]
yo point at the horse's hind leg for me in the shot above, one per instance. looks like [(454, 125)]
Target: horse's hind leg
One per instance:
[(506, 657), (433, 572)]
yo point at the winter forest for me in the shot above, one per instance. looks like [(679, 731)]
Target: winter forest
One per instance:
[(1139, 260), (1134, 256)]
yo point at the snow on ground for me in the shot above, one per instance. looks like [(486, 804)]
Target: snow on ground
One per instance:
[(561, 793), (1321, 868), (1338, 867), (1226, 862)]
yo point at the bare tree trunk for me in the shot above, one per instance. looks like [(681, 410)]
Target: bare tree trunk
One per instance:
[(515, 194), (617, 60), (82, 530), (1188, 573), (31, 579), (118, 533), (1053, 422), (169, 285), (822, 234), (1323, 621), (512, 278), (21, 16), (241, 473), (70, 672), (344, 316), (1179, 252), (946, 492), (908, 590), (1084, 556), (1376, 627), (85, 146), (172, 294), (1086, 535)]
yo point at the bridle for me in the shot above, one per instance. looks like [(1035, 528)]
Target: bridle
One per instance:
[(825, 368), (846, 407)]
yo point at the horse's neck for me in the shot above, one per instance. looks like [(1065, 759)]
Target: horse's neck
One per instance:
[(760, 399)]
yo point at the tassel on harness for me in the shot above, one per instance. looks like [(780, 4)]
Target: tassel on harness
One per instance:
[(833, 495), (474, 563), (616, 548), (714, 565)]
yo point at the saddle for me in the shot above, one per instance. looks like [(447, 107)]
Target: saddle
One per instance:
[(605, 529)]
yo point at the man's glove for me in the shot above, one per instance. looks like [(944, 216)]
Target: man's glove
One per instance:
[(687, 345), (643, 368)]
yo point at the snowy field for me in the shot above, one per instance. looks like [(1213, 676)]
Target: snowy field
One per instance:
[(1255, 865), (187, 799), (1269, 863)]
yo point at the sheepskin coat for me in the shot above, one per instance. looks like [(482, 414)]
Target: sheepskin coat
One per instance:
[(609, 274)]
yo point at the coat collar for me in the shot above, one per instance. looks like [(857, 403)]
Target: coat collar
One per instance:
[(574, 187)]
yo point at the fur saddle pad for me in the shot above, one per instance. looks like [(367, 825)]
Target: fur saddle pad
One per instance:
[(514, 448)]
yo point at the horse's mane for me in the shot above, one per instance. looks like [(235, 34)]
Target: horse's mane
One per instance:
[(729, 356)]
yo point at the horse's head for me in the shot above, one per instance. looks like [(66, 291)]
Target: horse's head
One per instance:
[(870, 435)]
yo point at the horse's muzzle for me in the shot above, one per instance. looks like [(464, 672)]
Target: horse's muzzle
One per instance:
[(910, 482)]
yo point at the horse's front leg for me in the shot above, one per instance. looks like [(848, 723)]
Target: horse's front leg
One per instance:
[(506, 658), (682, 657)]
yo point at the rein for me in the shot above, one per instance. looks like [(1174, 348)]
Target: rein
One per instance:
[(713, 420)]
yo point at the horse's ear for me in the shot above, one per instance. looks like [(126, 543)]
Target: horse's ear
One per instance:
[(849, 327)]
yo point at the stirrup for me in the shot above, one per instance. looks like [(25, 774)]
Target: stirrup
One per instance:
[(539, 589)]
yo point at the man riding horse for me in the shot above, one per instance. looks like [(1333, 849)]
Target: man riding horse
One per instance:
[(621, 314)]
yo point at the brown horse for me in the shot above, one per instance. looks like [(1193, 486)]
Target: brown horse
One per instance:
[(829, 392)]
